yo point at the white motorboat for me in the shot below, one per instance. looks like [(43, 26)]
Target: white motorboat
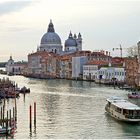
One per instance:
[(122, 109)]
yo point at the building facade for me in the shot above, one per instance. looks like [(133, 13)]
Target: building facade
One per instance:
[(77, 66), (42, 65), (110, 74), (90, 69), (131, 68), (15, 68), (138, 80)]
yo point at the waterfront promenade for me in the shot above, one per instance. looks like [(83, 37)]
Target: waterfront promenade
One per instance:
[(69, 109)]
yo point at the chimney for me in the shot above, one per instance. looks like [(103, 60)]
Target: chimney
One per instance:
[(106, 52)]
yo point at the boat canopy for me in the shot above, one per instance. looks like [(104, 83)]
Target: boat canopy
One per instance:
[(121, 103)]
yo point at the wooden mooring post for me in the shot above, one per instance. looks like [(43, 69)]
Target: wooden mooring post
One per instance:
[(35, 113), (13, 113), (10, 118), (30, 116), (30, 112), (15, 108), (1, 113), (3, 116)]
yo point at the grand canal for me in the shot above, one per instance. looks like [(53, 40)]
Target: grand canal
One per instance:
[(69, 109)]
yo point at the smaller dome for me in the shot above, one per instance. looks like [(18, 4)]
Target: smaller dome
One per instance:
[(70, 42)]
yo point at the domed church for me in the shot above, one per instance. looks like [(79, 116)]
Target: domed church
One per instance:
[(73, 43), (50, 41)]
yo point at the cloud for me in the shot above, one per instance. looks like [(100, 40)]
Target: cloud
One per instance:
[(13, 6)]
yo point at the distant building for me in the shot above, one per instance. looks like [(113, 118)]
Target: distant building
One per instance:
[(42, 65), (100, 56), (110, 74), (90, 69), (77, 66), (15, 68), (131, 68), (138, 45), (65, 67)]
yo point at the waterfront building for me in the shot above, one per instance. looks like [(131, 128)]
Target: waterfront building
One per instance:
[(131, 68), (138, 45), (65, 67), (118, 61), (110, 74), (42, 64), (68, 67), (77, 66), (100, 56), (90, 69), (15, 68)]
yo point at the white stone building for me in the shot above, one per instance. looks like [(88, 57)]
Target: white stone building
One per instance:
[(15, 68), (90, 69), (108, 74), (89, 72)]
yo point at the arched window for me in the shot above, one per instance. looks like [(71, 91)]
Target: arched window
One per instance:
[(13, 69)]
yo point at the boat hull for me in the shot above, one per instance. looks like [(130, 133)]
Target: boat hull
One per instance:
[(120, 117), (134, 96)]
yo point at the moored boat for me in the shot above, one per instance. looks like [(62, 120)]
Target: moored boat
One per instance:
[(25, 90), (122, 110), (134, 95), (4, 130)]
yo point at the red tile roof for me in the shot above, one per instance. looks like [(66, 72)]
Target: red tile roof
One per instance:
[(96, 62)]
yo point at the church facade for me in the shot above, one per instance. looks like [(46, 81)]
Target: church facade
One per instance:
[(15, 68)]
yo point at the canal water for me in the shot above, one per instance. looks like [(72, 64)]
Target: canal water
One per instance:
[(69, 109)]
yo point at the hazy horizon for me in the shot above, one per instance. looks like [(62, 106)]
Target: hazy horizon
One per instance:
[(104, 24)]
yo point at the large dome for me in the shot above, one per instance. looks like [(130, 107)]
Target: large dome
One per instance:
[(51, 37)]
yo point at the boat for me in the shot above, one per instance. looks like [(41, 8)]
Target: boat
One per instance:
[(134, 95), (25, 90), (122, 110), (4, 130), (126, 87)]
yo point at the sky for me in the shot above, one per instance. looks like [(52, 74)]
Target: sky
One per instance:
[(103, 24)]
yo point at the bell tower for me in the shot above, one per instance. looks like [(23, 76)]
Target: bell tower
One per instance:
[(79, 42)]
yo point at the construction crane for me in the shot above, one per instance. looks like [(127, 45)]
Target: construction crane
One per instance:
[(120, 48)]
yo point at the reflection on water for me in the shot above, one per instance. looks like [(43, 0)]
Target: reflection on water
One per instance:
[(69, 109)]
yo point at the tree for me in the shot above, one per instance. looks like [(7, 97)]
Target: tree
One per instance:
[(132, 51)]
